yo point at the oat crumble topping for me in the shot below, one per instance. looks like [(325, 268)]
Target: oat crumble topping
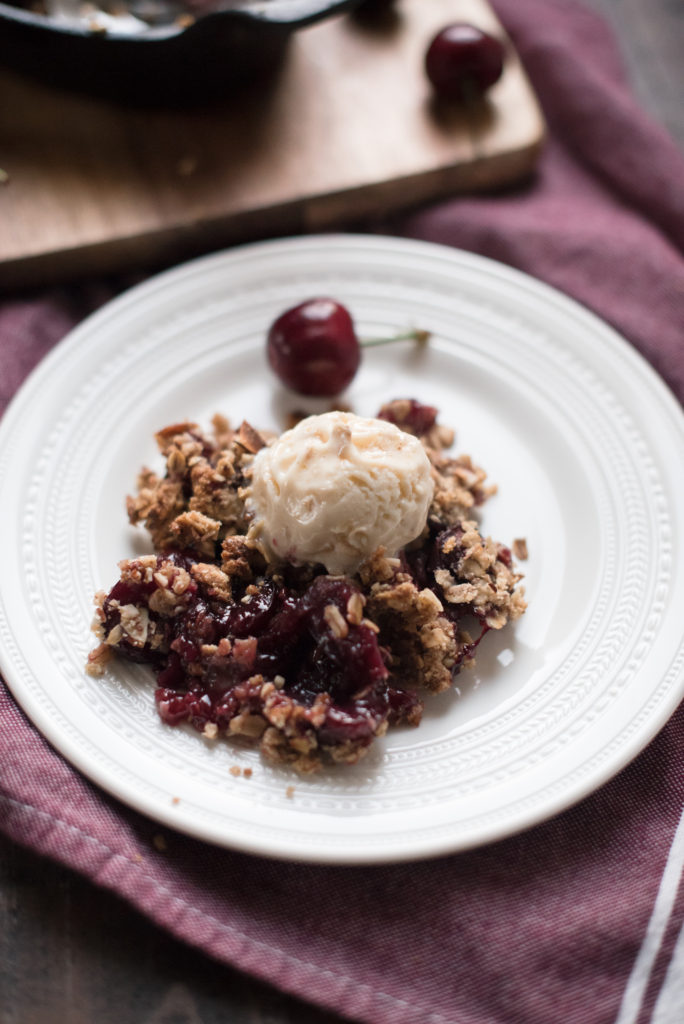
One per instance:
[(519, 548)]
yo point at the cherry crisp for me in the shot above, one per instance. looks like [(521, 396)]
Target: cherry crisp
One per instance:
[(309, 666)]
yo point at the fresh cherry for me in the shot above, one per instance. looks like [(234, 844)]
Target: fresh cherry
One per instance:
[(463, 61), (314, 350)]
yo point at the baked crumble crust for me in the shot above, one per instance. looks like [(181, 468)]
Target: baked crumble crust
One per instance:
[(519, 548), (199, 610), (197, 502), (481, 578), (423, 643)]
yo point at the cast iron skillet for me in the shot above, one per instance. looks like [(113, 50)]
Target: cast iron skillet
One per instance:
[(164, 64)]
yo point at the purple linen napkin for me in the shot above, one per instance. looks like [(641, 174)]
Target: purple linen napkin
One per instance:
[(579, 920)]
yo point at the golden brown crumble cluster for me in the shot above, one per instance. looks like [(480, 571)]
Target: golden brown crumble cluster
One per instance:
[(197, 502), (423, 612)]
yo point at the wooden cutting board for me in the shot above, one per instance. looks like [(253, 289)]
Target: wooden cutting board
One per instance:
[(349, 131)]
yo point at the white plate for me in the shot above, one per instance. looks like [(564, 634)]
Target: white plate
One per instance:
[(583, 439)]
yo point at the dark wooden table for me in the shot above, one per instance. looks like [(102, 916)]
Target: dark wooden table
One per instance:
[(72, 953)]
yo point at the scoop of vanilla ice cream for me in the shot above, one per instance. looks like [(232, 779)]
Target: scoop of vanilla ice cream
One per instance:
[(335, 488)]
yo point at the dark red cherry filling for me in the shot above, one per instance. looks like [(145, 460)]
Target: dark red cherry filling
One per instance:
[(414, 417), (270, 633)]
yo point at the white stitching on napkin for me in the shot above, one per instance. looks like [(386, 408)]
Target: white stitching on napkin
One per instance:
[(437, 1018), (637, 983), (668, 1009)]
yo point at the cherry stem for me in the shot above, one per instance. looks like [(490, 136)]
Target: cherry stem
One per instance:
[(421, 337)]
